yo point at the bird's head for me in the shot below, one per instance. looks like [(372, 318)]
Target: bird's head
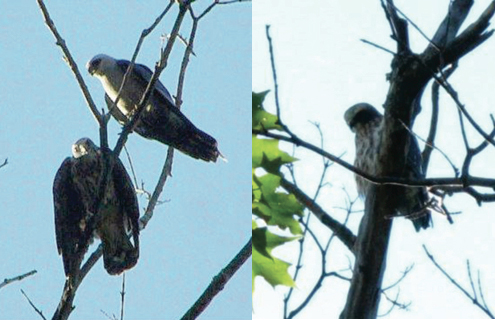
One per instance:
[(82, 147), (99, 64), (361, 113)]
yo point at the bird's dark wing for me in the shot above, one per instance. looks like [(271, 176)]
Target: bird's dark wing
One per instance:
[(166, 123), (115, 111), (72, 240), (417, 197), (119, 217), (143, 73), (127, 195)]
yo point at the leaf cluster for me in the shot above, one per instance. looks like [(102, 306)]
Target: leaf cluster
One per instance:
[(271, 208)]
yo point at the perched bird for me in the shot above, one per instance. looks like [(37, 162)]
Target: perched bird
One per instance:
[(161, 120), (77, 219), (367, 123)]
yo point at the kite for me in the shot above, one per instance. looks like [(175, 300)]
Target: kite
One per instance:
[(79, 216), (367, 123), (160, 120)]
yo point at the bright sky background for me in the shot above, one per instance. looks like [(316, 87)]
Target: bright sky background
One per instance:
[(323, 69), (204, 224)]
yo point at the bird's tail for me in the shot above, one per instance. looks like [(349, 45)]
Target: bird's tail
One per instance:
[(120, 255), (198, 144), (422, 221)]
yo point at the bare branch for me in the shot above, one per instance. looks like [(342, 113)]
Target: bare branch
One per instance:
[(144, 34), (7, 281), (473, 297), (446, 32), (219, 282), (341, 231), (122, 296), (231, 1), (5, 162), (72, 64), (430, 141), (131, 166), (38, 311), (429, 182), (378, 46), (166, 171), (274, 71)]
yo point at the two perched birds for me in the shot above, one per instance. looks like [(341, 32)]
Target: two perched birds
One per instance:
[(81, 212), (367, 123)]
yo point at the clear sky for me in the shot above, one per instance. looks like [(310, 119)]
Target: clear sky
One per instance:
[(323, 69), (204, 222)]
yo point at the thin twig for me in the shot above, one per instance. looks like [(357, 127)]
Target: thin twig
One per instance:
[(4, 163), (219, 282), (131, 166), (390, 3), (144, 34), (166, 171), (378, 46), (72, 64), (274, 70), (122, 295), (455, 283), (428, 182), (38, 311), (160, 66), (7, 281), (231, 1)]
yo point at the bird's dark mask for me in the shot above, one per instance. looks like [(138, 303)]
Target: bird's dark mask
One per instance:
[(364, 117)]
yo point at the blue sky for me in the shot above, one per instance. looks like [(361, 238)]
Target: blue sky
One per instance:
[(323, 68), (202, 225)]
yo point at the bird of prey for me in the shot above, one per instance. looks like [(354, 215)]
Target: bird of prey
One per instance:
[(367, 123), (161, 120), (77, 214)]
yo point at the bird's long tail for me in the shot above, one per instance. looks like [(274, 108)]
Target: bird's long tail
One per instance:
[(198, 144)]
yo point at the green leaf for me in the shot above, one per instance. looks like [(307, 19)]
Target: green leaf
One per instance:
[(277, 208), (273, 270), (267, 155), (263, 120)]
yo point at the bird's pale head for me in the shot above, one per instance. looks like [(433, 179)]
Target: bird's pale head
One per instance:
[(99, 64), (360, 114), (83, 147)]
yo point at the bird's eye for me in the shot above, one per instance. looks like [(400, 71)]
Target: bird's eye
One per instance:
[(96, 63)]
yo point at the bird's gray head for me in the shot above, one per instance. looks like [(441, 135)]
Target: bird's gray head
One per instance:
[(360, 113), (83, 147), (99, 64)]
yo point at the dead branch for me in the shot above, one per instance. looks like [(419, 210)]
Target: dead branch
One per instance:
[(122, 296), (72, 64), (219, 282), (386, 180), (5, 162), (38, 311), (341, 231), (473, 297), (430, 140), (7, 281)]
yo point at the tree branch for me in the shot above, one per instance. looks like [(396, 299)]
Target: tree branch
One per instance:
[(7, 281), (38, 311), (473, 297), (341, 231), (219, 282), (72, 64)]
